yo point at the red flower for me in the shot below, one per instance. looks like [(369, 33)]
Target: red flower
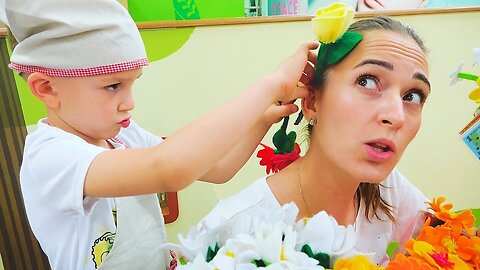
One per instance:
[(276, 162)]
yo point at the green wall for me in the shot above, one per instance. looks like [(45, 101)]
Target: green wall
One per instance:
[(154, 10)]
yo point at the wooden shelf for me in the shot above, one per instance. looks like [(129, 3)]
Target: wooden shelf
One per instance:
[(276, 19)]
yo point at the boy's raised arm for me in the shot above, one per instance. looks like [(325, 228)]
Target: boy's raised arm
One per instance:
[(184, 157)]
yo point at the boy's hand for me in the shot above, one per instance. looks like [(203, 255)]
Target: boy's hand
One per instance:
[(294, 74), (276, 112)]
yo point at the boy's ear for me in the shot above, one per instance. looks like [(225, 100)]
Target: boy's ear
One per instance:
[(41, 87), (308, 104)]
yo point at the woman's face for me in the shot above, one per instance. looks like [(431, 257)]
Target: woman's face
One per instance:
[(371, 106), (367, 5)]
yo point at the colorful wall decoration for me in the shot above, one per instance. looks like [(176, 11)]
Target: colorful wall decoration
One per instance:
[(153, 10)]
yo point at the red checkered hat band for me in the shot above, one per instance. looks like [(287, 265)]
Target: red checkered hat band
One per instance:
[(81, 72)]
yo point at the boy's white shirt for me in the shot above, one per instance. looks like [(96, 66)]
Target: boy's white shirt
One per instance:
[(75, 232)]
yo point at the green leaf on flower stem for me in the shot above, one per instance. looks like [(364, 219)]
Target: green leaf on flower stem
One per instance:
[(212, 252), (284, 142), (338, 50), (332, 53), (322, 258)]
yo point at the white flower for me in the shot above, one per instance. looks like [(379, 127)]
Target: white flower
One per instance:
[(476, 56), (198, 240), (323, 234), (454, 75)]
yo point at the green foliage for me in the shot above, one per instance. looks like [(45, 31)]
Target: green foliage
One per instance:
[(284, 142), (212, 252), (322, 258), (332, 53)]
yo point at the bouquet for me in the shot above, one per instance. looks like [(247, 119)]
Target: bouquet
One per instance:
[(446, 241), (270, 240), (277, 241)]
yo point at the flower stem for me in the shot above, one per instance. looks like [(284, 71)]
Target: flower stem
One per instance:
[(467, 76)]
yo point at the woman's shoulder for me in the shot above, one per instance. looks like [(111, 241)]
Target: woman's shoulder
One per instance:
[(395, 180), (255, 196), (396, 189)]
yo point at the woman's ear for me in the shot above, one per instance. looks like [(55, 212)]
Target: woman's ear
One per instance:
[(308, 104), (41, 87)]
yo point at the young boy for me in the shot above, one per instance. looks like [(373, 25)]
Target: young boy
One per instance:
[(88, 157)]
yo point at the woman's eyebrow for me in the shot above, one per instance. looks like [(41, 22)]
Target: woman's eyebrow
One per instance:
[(423, 78), (389, 66), (377, 62)]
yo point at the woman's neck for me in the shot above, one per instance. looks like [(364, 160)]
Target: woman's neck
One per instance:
[(325, 187)]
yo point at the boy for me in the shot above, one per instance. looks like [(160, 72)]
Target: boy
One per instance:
[(88, 157)]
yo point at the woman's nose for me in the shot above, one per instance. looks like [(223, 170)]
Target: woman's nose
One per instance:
[(392, 112)]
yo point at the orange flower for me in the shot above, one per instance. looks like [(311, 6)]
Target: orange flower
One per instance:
[(442, 212), (439, 260), (469, 250), (401, 262), (448, 244), (463, 221), (435, 236)]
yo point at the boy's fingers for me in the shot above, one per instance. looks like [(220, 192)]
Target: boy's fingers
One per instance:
[(305, 80), (278, 112), (302, 90), (308, 70), (308, 46)]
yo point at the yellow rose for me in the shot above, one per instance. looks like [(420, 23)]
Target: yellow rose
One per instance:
[(331, 22)]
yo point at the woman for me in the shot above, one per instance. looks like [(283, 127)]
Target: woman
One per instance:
[(363, 112)]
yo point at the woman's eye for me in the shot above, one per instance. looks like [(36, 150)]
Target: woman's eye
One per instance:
[(112, 87), (416, 97), (367, 82)]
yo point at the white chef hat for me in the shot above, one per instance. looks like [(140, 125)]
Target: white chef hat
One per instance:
[(73, 38)]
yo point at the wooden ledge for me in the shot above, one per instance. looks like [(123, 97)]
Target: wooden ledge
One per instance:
[(276, 19)]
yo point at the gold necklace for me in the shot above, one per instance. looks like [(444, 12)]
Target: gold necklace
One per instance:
[(301, 190)]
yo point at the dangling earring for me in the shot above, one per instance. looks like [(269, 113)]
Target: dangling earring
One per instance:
[(312, 122)]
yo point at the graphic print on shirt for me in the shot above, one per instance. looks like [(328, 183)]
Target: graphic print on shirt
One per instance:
[(101, 247)]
